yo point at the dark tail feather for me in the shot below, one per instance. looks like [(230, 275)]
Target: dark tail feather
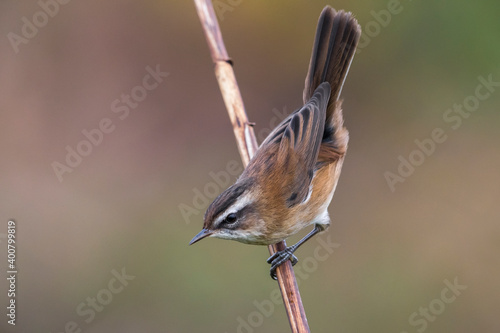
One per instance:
[(336, 39)]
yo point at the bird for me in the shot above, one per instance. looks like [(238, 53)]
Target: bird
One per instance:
[(290, 181)]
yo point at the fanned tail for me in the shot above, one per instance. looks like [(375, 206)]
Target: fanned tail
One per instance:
[(336, 39)]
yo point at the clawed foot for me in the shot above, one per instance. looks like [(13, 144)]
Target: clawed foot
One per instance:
[(279, 258)]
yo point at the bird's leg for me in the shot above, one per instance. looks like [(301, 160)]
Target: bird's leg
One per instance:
[(287, 254)]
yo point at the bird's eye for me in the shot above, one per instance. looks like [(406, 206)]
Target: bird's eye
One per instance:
[(230, 218)]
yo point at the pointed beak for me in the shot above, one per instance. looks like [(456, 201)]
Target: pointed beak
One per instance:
[(202, 234)]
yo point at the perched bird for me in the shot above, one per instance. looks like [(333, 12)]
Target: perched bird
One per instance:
[(289, 183)]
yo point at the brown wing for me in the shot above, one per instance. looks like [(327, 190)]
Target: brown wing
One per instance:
[(298, 140)]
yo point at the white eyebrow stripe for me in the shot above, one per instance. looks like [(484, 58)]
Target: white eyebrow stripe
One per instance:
[(242, 202)]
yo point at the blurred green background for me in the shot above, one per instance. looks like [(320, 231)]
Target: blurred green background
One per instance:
[(397, 249)]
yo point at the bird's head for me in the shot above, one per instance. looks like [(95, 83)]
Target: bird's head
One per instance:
[(234, 215)]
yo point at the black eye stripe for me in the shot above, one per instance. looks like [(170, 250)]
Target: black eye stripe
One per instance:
[(235, 219)]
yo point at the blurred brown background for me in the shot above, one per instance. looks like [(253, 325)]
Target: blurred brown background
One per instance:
[(119, 212)]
